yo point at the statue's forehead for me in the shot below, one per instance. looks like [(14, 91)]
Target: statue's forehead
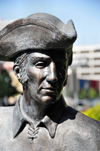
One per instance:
[(48, 54)]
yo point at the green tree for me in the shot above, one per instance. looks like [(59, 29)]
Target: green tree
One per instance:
[(6, 88), (93, 112)]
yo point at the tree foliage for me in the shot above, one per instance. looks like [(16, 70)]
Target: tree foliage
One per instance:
[(93, 112), (6, 89)]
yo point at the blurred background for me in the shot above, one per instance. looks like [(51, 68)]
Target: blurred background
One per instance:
[(83, 87)]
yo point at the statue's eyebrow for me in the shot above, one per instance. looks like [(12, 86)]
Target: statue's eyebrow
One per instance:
[(41, 59), (35, 59)]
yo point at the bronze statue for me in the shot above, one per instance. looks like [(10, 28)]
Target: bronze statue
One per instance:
[(41, 47)]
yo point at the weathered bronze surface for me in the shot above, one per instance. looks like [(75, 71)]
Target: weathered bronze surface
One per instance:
[(41, 47)]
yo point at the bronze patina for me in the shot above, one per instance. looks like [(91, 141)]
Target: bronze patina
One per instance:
[(41, 48)]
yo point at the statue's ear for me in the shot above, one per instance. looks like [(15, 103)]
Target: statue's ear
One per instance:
[(16, 71)]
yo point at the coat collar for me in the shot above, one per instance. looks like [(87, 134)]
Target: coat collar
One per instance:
[(50, 121)]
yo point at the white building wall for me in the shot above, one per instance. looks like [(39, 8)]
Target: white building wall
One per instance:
[(86, 59)]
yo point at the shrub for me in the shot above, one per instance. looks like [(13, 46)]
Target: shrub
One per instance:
[(93, 112)]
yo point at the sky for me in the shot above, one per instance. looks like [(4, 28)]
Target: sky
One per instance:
[(84, 13)]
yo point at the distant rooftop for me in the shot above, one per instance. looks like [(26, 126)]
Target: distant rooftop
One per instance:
[(87, 48)]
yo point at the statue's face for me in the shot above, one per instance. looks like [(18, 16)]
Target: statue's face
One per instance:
[(47, 72)]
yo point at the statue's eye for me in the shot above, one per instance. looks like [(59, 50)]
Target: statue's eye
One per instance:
[(40, 64)]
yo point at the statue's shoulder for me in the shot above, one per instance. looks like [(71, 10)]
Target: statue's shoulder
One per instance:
[(81, 130), (6, 114), (81, 121), (6, 125), (91, 123), (6, 109)]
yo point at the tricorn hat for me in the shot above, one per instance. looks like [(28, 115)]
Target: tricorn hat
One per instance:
[(39, 31)]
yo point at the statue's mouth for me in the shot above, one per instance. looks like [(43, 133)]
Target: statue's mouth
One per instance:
[(49, 91), (50, 88)]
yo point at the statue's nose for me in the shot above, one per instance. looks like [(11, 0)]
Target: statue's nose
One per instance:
[(52, 73)]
